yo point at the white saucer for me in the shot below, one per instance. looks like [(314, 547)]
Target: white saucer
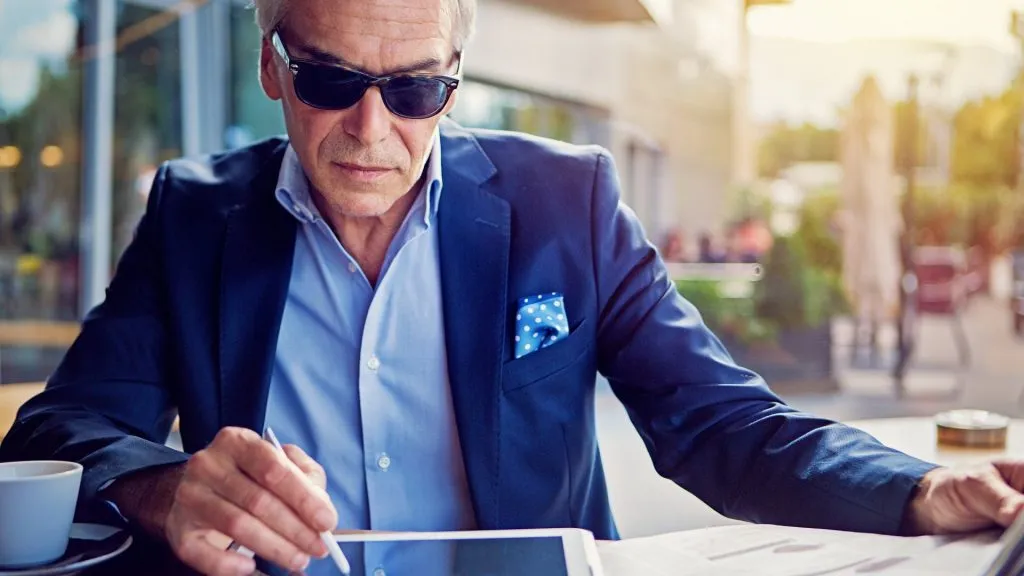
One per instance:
[(90, 545)]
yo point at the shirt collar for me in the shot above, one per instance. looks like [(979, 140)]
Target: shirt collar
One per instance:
[(292, 189)]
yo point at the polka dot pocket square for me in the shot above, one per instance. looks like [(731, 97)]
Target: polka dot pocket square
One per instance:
[(540, 322)]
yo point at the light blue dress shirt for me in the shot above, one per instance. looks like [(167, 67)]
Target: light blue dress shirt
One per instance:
[(360, 377)]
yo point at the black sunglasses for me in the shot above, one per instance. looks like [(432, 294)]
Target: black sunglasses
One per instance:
[(336, 87)]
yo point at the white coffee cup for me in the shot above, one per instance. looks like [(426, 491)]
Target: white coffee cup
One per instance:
[(37, 508)]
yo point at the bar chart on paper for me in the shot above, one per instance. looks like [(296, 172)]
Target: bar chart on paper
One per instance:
[(764, 550)]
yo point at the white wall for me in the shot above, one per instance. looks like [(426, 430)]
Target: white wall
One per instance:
[(633, 71), (524, 47)]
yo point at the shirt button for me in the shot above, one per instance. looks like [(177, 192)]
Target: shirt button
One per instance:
[(384, 462), (352, 267), (373, 363), (379, 572)]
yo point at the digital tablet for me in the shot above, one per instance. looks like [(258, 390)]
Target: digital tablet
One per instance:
[(1010, 560), (555, 552)]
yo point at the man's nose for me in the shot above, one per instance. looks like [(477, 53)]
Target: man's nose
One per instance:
[(369, 120)]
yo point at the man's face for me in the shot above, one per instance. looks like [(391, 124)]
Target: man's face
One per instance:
[(364, 158)]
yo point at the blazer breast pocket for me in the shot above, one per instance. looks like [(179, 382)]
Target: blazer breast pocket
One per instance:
[(545, 362)]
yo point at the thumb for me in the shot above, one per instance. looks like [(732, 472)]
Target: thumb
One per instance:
[(1010, 510)]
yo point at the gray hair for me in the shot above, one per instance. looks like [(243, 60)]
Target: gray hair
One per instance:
[(270, 13)]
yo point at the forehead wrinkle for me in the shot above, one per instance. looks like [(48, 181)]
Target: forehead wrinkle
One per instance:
[(393, 14), (382, 31), (390, 28), (394, 31), (326, 14)]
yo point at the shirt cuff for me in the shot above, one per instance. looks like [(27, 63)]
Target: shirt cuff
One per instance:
[(110, 504)]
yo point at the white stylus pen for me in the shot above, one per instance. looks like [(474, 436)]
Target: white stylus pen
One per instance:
[(328, 539)]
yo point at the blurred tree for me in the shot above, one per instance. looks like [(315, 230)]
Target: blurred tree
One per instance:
[(786, 145), (985, 145), (817, 232), (969, 215), (991, 215), (941, 217), (986, 171), (794, 293), (46, 197), (900, 144), (781, 295), (747, 202)]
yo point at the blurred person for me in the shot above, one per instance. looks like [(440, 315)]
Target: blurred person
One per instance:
[(738, 249), (707, 250), (674, 248), (754, 239), (371, 288)]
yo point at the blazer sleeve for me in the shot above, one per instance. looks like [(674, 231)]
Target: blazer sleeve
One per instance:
[(108, 405), (713, 427)]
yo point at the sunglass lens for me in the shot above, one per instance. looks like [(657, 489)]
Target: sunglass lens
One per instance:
[(415, 97), (328, 87)]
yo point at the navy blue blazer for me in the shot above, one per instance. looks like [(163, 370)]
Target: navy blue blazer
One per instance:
[(190, 323)]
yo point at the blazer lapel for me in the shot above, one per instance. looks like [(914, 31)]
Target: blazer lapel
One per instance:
[(474, 232), (259, 243)]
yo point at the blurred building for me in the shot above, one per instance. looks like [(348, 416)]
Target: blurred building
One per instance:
[(658, 83), (97, 93)]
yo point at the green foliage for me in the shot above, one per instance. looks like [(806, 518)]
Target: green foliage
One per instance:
[(745, 202), (817, 235), (992, 215), (728, 316), (795, 294), (969, 215), (786, 145), (824, 297), (780, 294), (903, 113), (703, 294), (940, 217), (51, 118), (985, 146)]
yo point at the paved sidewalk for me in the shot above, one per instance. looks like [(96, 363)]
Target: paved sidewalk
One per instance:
[(994, 380)]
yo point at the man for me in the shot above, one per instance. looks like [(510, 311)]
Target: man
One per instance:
[(371, 289)]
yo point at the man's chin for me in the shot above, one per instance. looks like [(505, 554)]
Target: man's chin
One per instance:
[(363, 204), (360, 199)]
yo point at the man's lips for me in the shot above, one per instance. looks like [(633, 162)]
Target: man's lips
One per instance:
[(363, 173), (361, 168)]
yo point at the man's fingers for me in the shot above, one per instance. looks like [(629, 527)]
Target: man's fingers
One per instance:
[(201, 554), (210, 510), (989, 495), (234, 486), (312, 470), (1012, 472), (272, 470)]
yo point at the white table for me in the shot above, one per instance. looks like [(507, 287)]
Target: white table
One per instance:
[(917, 437), (667, 555)]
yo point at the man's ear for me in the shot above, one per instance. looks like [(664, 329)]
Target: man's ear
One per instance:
[(270, 72)]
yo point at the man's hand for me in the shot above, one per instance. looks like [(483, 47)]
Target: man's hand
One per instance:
[(952, 501), (239, 488)]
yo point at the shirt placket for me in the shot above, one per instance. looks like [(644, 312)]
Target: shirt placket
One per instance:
[(383, 470)]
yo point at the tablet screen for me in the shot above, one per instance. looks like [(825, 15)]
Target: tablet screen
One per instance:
[(470, 557)]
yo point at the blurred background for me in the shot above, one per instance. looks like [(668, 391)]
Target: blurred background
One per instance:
[(836, 184)]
